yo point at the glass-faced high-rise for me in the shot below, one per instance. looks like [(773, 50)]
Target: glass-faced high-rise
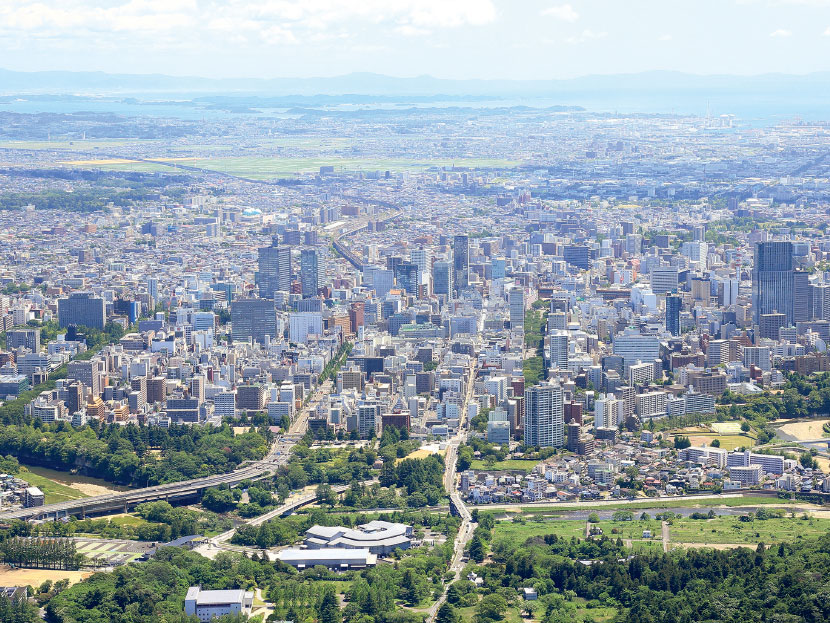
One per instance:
[(311, 271), (772, 280), (274, 272), (461, 261)]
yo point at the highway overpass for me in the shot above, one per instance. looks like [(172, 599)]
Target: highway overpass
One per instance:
[(124, 501)]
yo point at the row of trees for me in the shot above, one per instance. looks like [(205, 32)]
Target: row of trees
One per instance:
[(41, 553)]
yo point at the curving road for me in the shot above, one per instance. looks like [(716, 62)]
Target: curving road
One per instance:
[(121, 502)]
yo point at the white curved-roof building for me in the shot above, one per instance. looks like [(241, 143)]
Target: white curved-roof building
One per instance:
[(379, 537)]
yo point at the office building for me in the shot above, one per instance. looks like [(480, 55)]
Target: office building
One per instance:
[(461, 262), (498, 268), (422, 258), (91, 373), (577, 255), (633, 347), (442, 278), (253, 319), (312, 271), (673, 305), (544, 417), (82, 309), (772, 281), (664, 279), (516, 304), (368, 420), (23, 338), (303, 324), (407, 278), (274, 272), (225, 404), (769, 325)]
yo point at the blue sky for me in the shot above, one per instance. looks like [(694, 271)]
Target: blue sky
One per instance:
[(526, 39)]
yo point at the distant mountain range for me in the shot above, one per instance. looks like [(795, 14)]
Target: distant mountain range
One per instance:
[(764, 98), (97, 83)]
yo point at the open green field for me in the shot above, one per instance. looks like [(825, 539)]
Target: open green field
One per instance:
[(514, 464), (727, 442), (52, 491), (732, 530), (260, 167), (718, 531), (517, 533), (726, 428), (667, 503)]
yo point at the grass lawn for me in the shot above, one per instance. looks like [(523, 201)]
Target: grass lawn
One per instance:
[(732, 530), (53, 491), (514, 464), (727, 442), (666, 503), (518, 533)]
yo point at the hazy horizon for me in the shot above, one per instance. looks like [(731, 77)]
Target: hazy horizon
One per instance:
[(448, 39)]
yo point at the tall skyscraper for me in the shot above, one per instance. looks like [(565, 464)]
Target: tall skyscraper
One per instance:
[(559, 350), (516, 302), (673, 304), (312, 271), (461, 262), (153, 288), (498, 268), (801, 296), (406, 275), (442, 278), (274, 272), (422, 258), (772, 280), (544, 418)]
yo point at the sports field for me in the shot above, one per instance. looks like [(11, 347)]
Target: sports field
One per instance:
[(111, 552)]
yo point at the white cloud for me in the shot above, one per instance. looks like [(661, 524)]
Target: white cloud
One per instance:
[(564, 12), (139, 22), (664, 38), (826, 33), (587, 35), (781, 33)]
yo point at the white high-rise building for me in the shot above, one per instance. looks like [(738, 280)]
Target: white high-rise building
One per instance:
[(225, 404), (664, 279), (544, 419), (632, 346), (559, 350), (422, 258), (303, 324), (608, 412)]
